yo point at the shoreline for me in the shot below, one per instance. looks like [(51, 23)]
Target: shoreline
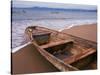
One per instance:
[(86, 31), (76, 25), (18, 36)]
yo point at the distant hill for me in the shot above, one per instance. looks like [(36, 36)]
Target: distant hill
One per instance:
[(57, 9)]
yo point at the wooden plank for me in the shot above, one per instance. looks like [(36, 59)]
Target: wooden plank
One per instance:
[(75, 58), (56, 43)]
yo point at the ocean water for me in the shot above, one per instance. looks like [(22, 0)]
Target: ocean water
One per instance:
[(53, 19)]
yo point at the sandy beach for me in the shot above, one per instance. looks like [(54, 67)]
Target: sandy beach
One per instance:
[(77, 20), (88, 31), (29, 60)]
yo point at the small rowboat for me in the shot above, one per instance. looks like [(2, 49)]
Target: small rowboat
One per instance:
[(64, 51)]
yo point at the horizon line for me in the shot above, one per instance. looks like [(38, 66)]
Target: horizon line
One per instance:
[(53, 8)]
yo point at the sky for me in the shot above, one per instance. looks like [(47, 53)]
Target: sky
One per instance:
[(51, 5)]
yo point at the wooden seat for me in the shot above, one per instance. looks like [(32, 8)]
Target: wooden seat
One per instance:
[(56, 43), (75, 58)]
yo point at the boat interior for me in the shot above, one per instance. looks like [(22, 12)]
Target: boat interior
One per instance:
[(71, 50)]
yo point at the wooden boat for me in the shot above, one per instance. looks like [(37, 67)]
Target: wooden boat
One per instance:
[(64, 51)]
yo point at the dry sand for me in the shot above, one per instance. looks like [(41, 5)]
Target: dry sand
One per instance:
[(88, 32), (29, 60)]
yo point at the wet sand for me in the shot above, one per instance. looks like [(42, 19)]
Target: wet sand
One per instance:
[(88, 32), (29, 60)]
